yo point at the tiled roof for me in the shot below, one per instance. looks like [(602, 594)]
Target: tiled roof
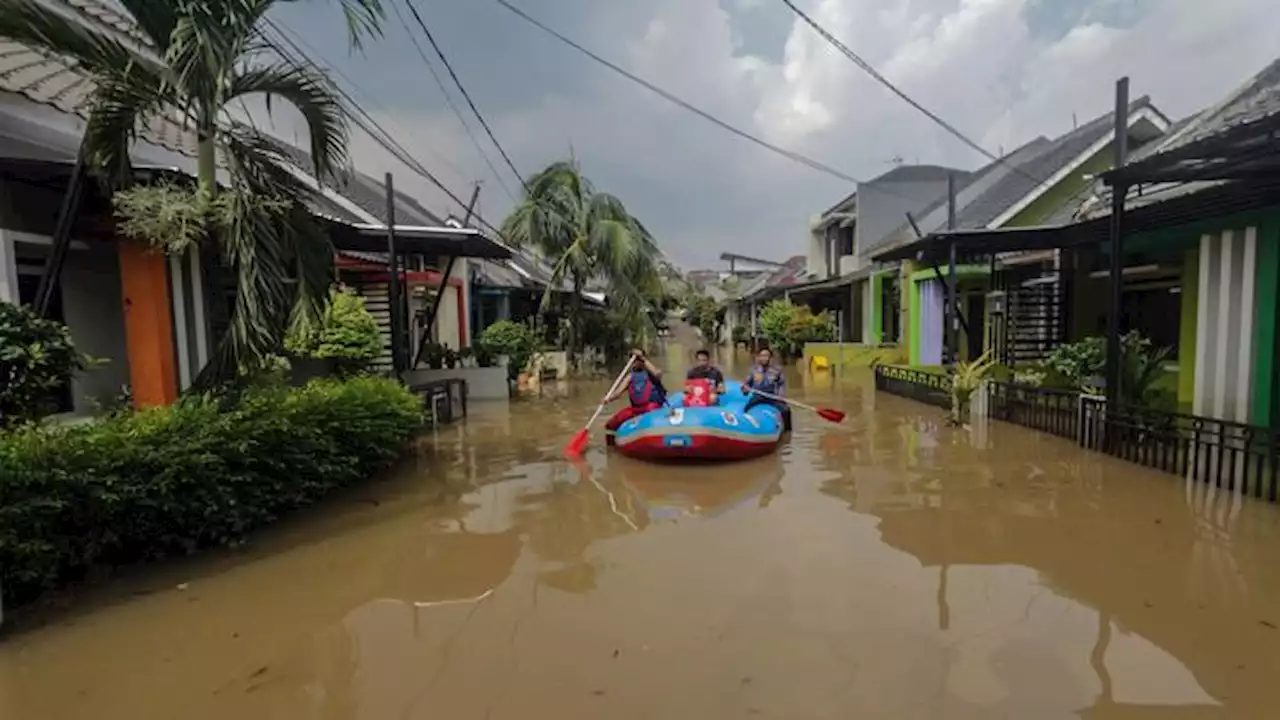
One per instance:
[(1256, 99), (61, 83)]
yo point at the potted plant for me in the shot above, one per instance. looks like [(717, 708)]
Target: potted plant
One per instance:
[(434, 354), (345, 340), (451, 358), (483, 354), (465, 356)]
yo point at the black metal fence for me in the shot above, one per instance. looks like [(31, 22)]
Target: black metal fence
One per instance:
[(918, 385), (1244, 458), (1056, 412)]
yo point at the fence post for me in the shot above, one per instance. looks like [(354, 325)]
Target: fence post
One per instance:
[(982, 408)]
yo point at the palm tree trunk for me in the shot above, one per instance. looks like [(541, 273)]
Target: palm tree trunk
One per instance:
[(207, 159)]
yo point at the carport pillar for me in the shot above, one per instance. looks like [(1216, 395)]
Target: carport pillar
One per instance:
[(1119, 189), (148, 325), (8, 269)]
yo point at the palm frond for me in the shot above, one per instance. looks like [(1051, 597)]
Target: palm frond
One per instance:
[(364, 19), (120, 105), (155, 18), (309, 92)]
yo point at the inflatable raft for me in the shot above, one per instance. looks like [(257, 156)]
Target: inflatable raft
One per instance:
[(719, 432)]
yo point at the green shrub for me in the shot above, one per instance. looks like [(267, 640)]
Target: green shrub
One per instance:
[(513, 339), (36, 358), (347, 333), (172, 480), (787, 327)]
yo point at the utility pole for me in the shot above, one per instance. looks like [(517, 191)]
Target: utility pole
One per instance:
[(393, 282), (953, 313)]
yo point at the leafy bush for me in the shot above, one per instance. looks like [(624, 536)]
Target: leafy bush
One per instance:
[(36, 358), (1079, 365), (171, 480), (1080, 362), (787, 327), (513, 339), (346, 333), (740, 333), (705, 314)]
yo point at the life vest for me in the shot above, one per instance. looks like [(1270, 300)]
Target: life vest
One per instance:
[(641, 390), (697, 392), (765, 379)]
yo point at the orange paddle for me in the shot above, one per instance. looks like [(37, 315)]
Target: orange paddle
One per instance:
[(575, 446), (828, 414)]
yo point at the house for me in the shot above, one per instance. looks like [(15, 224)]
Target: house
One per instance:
[(1029, 186), (154, 319), (743, 309)]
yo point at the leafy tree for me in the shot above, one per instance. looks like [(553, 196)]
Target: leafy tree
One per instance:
[(36, 358), (705, 314), (588, 236), (201, 58)]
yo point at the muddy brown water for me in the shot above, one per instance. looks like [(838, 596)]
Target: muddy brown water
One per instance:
[(892, 567)]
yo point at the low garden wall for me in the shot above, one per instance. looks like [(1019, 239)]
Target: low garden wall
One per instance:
[(483, 383), (853, 355), (169, 481)]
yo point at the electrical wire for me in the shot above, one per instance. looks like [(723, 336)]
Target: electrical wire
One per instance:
[(298, 44), (375, 131), (875, 74), (790, 155), (435, 75), (462, 89)]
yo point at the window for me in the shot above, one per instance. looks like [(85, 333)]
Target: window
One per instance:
[(846, 241)]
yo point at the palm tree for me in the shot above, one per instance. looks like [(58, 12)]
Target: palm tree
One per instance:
[(588, 236), (199, 57)]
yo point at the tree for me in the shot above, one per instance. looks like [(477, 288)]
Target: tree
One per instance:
[(36, 358), (201, 57), (588, 236)]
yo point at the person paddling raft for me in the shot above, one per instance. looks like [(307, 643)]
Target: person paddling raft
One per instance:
[(643, 389), (767, 377)]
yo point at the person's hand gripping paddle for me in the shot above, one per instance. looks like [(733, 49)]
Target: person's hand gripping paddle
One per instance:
[(828, 414), (575, 446)]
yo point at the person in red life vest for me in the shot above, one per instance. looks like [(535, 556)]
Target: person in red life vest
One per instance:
[(710, 374), (643, 388), (767, 377)]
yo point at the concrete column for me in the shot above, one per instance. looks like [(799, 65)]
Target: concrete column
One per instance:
[(8, 269), (148, 322)]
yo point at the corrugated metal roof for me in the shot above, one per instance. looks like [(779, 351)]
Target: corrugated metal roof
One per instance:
[(1256, 99)]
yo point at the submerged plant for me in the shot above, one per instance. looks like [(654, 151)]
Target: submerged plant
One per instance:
[(966, 378)]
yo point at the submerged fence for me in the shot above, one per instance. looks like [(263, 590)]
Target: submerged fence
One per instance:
[(1245, 458)]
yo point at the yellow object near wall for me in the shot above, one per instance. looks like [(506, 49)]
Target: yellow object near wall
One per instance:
[(850, 355)]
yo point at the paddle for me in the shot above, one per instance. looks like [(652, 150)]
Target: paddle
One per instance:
[(579, 441), (828, 414)]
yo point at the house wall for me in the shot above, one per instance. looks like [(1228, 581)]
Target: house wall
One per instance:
[(8, 268), (880, 213), (1190, 304), (1052, 199), (93, 308), (1238, 269)]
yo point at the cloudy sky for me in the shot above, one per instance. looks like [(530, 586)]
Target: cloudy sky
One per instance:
[(1003, 71)]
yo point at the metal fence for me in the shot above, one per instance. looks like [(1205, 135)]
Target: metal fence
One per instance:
[(917, 385), (1056, 412), (1244, 458)]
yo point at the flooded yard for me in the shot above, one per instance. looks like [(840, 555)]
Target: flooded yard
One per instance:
[(888, 567)]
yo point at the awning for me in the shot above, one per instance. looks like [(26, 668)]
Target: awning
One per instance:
[(418, 240), (834, 283)]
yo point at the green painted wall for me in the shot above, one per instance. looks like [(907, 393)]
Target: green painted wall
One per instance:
[(906, 299), (1266, 304), (1047, 204), (875, 329), (1187, 328)]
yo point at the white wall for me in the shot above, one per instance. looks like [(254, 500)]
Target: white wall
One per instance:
[(8, 269), (94, 313)]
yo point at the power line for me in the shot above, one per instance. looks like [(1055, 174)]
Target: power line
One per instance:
[(295, 41), (793, 156), (875, 74), (376, 131), (466, 96), (475, 142)]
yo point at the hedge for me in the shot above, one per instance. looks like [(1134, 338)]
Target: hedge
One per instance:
[(172, 480)]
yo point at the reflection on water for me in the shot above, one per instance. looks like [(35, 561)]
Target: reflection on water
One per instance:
[(889, 567)]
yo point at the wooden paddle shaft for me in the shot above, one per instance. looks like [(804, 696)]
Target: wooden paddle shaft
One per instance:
[(779, 398), (612, 388)]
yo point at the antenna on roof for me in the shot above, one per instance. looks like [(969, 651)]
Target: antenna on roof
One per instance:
[(1075, 122)]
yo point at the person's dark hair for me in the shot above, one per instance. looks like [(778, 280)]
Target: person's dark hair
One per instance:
[(765, 349), (702, 353)]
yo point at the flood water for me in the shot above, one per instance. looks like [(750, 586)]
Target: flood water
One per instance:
[(890, 567)]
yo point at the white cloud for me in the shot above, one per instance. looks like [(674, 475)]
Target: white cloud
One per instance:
[(974, 62)]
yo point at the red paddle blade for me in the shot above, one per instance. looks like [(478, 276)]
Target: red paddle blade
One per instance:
[(579, 443), (833, 415)]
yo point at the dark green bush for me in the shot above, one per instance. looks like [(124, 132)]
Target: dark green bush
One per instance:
[(172, 480)]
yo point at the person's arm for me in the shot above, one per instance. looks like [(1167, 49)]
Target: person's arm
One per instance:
[(780, 388), (622, 390), (653, 369), (719, 381)]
